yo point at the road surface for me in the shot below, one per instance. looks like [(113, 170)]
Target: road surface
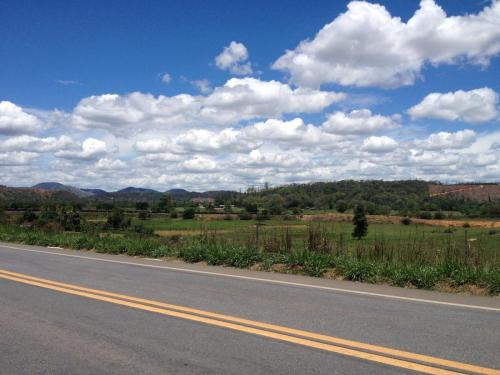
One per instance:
[(71, 312)]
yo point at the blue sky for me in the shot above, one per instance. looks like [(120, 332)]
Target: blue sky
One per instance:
[(60, 59)]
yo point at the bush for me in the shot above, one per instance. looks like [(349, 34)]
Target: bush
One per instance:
[(117, 219), (405, 221), (492, 279), (360, 222), (423, 277), (245, 216), (439, 215), (341, 206), (316, 264), (163, 251), (174, 215), (144, 215), (188, 213), (29, 216), (194, 253), (425, 215), (460, 275), (142, 230), (357, 270), (398, 275), (263, 215)]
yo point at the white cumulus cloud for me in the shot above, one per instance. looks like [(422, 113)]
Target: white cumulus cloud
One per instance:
[(199, 164), (360, 121), (166, 78), (446, 140), (472, 106), (292, 133), (91, 149), (379, 144), (260, 159), (17, 158), (14, 120), (35, 144), (367, 46), (205, 141), (234, 59), (110, 164), (203, 85), (237, 100)]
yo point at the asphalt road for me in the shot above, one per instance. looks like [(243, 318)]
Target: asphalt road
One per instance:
[(47, 327)]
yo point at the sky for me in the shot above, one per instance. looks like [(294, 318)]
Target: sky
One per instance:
[(231, 94)]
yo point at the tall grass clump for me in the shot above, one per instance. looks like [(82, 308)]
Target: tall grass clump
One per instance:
[(457, 258)]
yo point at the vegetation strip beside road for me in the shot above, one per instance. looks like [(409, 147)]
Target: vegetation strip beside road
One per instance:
[(374, 353), (360, 264)]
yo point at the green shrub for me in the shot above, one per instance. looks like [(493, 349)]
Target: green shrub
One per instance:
[(242, 257), (194, 253), (188, 213), (405, 221), (245, 216), (263, 215), (316, 264), (423, 277), (397, 275), (492, 279), (142, 230), (163, 251), (439, 215), (357, 270), (425, 215), (274, 258)]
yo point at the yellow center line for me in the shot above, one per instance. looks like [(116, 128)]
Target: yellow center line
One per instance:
[(208, 319), (281, 329)]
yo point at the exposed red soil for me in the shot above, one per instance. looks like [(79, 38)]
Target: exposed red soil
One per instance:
[(479, 192)]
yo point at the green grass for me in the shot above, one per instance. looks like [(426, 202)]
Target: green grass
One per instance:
[(200, 225), (391, 238), (421, 256)]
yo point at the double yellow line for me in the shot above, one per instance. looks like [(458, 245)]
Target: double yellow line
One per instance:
[(374, 353)]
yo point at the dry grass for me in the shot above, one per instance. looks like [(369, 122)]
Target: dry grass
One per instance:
[(189, 232), (382, 219)]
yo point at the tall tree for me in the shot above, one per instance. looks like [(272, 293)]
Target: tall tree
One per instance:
[(360, 222), (165, 203)]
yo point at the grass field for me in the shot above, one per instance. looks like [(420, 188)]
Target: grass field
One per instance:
[(390, 237), (414, 264), (415, 255)]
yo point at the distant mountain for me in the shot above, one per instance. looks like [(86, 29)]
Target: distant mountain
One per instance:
[(57, 186), (97, 192), (177, 191), (182, 194), (136, 194), (52, 190), (134, 190), (27, 196)]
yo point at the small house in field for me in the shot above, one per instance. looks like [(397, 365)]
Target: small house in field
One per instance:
[(201, 201)]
